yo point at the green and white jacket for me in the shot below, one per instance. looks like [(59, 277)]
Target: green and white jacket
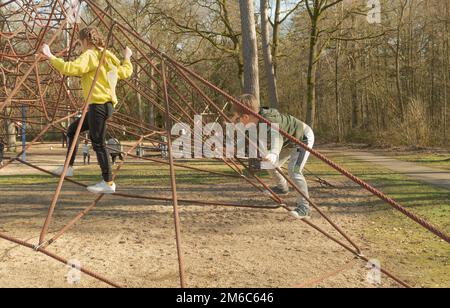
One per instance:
[(287, 123)]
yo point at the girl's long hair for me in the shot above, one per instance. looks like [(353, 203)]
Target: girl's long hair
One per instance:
[(93, 36)]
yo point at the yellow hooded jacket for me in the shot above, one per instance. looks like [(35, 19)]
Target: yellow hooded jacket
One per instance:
[(86, 66)]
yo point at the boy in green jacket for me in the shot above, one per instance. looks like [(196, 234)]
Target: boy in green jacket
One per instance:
[(282, 150)]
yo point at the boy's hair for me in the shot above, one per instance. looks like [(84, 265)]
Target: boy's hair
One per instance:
[(248, 100), (93, 36)]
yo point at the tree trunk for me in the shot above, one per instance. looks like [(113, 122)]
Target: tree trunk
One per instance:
[(276, 36), (311, 75), (9, 126), (139, 101), (151, 107), (445, 73), (249, 47), (356, 104), (240, 65), (398, 83), (10, 129), (336, 92), (339, 132), (270, 72)]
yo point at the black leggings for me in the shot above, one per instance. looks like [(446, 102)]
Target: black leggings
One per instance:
[(115, 156), (95, 123)]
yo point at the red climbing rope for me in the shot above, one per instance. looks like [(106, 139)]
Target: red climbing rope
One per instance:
[(177, 107)]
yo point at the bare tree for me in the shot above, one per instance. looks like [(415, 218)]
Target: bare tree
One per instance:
[(210, 21), (315, 10), (398, 43), (377, 82), (339, 133), (267, 53), (280, 17), (446, 73), (249, 47), (8, 125)]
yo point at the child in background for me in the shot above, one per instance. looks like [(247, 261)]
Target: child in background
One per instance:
[(283, 150), (103, 99), (164, 148), (87, 152), (115, 149)]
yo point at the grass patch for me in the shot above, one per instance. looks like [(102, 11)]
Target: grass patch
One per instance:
[(416, 254), (26, 179), (139, 174)]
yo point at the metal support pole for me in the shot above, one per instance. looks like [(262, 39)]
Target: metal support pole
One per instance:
[(24, 132), (176, 215)]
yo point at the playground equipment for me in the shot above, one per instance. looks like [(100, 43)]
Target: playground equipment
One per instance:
[(29, 83)]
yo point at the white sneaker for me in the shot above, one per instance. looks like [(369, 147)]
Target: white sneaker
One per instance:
[(102, 188), (301, 212), (60, 170)]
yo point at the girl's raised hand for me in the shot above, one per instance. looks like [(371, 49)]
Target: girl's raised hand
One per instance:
[(127, 53), (46, 51)]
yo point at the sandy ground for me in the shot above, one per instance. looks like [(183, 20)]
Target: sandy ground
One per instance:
[(132, 242)]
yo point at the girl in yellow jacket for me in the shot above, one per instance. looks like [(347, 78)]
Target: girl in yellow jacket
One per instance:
[(102, 101)]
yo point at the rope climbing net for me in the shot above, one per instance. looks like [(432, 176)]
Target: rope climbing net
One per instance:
[(174, 91)]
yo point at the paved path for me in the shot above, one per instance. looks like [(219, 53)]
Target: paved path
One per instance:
[(432, 176)]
